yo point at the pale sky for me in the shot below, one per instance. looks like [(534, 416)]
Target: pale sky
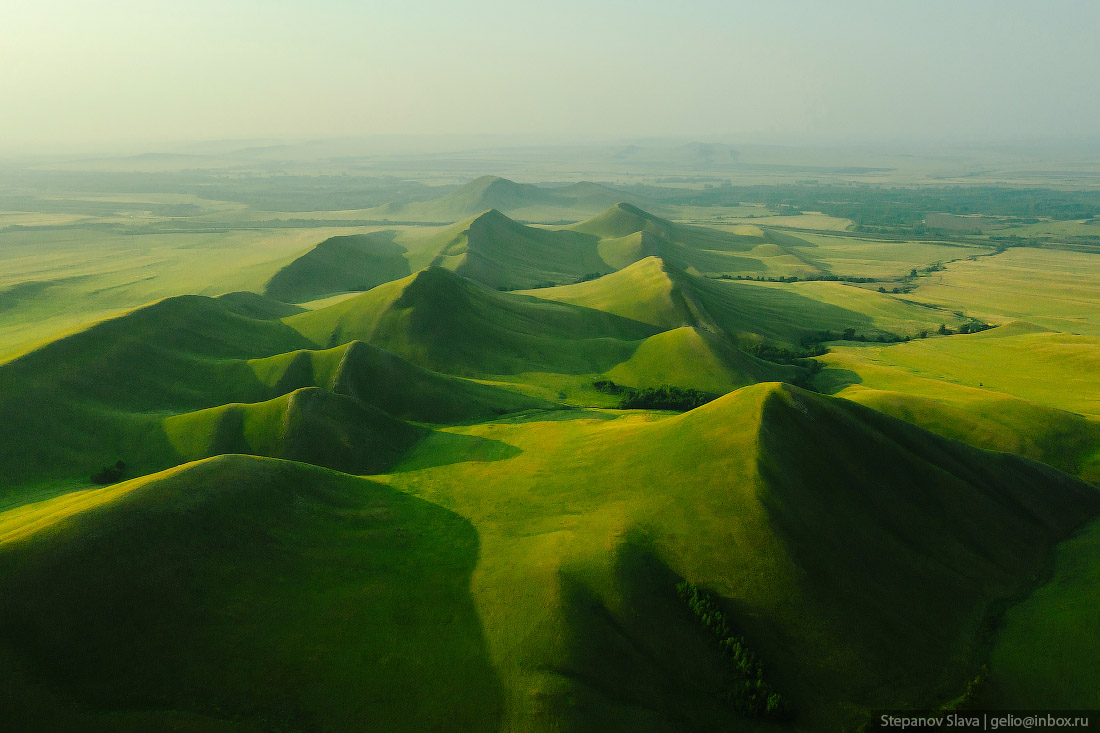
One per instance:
[(93, 72)]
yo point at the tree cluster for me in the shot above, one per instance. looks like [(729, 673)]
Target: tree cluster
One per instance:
[(665, 397), (751, 694)]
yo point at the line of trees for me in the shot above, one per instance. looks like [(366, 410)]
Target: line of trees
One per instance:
[(751, 694), (665, 397)]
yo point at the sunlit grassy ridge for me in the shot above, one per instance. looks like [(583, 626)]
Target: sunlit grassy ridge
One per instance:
[(445, 322), (654, 292), (844, 540), (102, 394), (553, 607), (390, 383), (310, 425)]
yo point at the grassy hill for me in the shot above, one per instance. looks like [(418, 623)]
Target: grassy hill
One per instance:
[(445, 322), (693, 358), (655, 292), (309, 425), (533, 588), (492, 249), (629, 234), (518, 200), (845, 545), (1003, 389), (245, 594), (340, 264), (101, 395), (390, 383)]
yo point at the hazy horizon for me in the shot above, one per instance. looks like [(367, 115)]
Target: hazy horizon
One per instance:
[(143, 76)]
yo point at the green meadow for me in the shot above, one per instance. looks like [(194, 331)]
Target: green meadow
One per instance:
[(313, 452)]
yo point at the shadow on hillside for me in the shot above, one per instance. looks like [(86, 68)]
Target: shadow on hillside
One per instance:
[(445, 448), (831, 380), (265, 593)]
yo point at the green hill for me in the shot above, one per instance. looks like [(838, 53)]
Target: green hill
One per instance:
[(1016, 388), (445, 322), (492, 249), (518, 200), (694, 358), (340, 264), (390, 383), (99, 395), (244, 594), (309, 425), (656, 292), (254, 305), (846, 546)]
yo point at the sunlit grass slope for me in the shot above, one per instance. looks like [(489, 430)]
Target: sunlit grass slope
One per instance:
[(1018, 359), (339, 264), (654, 292), (1054, 288), (390, 383), (445, 322), (848, 546), (97, 396), (57, 280), (101, 395), (694, 358), (1045, 655), (242, 593), (309, 425)]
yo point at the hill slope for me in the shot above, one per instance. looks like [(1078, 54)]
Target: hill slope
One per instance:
[(390, 383), (442, 321), (492, 249), (101, 395), (654, 291), (846, 546), (340, 264), (309, 425), (245, 594)]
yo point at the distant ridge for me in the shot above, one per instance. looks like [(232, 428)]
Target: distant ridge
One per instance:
[(518, 200), (497, 251)]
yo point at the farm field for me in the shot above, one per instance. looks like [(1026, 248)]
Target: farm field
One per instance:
[(1049, 287)]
